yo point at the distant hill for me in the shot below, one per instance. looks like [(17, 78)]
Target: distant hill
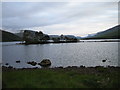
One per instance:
[(53, 36), (112, 33), (7, 36), (78, 37), (19, 34)]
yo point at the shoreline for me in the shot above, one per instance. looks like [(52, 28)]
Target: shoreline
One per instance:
[(82, 40), (70, 77), (4, 68)]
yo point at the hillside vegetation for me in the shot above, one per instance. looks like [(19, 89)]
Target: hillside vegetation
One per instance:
[(7, 36), (112, 33)]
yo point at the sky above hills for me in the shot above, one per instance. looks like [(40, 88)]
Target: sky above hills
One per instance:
[(74, 18)]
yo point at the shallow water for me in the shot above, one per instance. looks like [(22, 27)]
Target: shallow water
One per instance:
[(63, 54)]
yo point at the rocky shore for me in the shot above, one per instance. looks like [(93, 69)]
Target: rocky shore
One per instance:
[(60, 77), (81, 69)]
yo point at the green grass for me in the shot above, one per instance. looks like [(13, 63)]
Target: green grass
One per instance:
[(49, 78)]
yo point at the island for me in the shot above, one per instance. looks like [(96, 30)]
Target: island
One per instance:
[(34, 37)]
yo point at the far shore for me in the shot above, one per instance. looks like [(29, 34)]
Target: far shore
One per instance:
[(80, 41)]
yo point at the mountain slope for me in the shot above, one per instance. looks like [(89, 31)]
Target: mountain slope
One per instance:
[(19, 34), (112, 33), (7, 36)]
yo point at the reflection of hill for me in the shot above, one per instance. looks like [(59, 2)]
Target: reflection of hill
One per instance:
[(7, 36), (112, 33)]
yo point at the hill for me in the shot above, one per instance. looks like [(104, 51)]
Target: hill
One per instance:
[(112, 33), (19, 34), (7, 36)]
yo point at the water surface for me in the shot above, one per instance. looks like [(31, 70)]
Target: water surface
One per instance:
[(62, 54)]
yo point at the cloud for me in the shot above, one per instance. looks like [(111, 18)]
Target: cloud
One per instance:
[(60, 17)]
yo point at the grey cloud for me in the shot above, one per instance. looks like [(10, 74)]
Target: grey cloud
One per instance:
[(25, 15), (19, 9), (28, 14)]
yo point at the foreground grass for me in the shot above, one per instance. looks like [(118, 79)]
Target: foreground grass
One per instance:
[(61, 78)]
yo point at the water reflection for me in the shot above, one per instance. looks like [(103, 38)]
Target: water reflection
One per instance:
[(66, 54)]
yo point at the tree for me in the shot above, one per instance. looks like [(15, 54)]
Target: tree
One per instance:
[(62, 37)]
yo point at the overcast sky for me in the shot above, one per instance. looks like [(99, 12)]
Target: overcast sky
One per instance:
[(73, 18)]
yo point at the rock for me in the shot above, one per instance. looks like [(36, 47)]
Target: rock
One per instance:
[(60, 67), (10, 67), (6, 64), (82, 66), (74, 67), (99, 67), (32, 63), (104, 60), (17, 61), (45, 62)]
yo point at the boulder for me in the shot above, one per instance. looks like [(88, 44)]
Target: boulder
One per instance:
[(32, 63), (45, 63), (6, 64), (17, 61), (10, 67), (104, 60), (82, 66)]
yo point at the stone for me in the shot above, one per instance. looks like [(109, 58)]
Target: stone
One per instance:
[(82, 66), (17, 61), (10, 67), (104, 60), (32, 63), (45, 62), (6, 64)]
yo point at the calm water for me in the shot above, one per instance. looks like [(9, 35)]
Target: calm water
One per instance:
[(64, 54)]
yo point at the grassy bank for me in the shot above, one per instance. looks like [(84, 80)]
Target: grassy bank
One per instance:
[(70, 77)]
